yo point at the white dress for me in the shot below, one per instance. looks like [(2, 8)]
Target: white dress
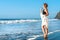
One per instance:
[(44, 19)]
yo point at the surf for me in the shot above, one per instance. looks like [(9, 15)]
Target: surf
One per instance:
[(35, 36), (21, 21), (16, 21)]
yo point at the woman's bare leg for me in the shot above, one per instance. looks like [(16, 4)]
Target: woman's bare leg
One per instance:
[(43, 30), (46, 30)]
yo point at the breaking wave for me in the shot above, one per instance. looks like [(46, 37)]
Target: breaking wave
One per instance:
[(16, 21), (20, 21)]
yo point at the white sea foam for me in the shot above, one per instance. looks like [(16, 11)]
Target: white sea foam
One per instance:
[(52, 19), (20, 21), (35, 36), (17, 21)]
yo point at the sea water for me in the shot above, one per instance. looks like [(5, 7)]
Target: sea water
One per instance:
[(28, 29)]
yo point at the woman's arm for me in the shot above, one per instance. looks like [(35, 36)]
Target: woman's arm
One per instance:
[(47, 12)]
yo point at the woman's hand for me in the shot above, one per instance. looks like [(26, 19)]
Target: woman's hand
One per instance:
[(40, 10)]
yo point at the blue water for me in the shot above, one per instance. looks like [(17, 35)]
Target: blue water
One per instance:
[(28, 30)]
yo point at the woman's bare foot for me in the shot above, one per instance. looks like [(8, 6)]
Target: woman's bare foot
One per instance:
[(45, 35)]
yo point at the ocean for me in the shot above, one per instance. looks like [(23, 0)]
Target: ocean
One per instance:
[(28, 29)]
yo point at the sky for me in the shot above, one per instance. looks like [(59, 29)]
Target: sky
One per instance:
[(27, 8)]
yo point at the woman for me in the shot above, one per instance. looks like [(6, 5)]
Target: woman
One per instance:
[(44, 14)]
